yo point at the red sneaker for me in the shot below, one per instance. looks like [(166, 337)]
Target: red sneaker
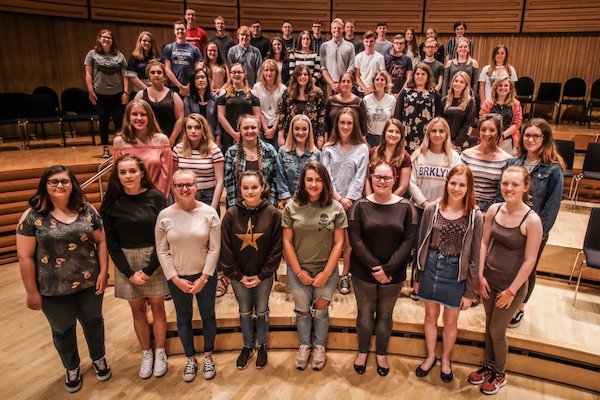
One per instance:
[(494, 383), (480, 376)]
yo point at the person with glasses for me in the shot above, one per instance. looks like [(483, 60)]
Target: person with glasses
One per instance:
[(245, 54), (188, 241), (129, 210), (317, 36), (539, 156), (382, 228), (437, 68), (398, 65), (431, 33), (262, 43), (64, 266)]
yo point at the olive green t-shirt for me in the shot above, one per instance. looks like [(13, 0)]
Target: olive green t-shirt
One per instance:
[(314, 228)]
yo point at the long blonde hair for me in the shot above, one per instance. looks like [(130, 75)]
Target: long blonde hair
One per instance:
[(273, 64), (424, 147), (290, 142), (512, 94), (465, 96), (230, 92), (206, 139)]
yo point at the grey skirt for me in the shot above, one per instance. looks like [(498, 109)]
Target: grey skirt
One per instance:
[(138, 259)]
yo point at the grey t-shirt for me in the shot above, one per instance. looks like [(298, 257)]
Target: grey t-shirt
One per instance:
[(437, 68), (107, 71)]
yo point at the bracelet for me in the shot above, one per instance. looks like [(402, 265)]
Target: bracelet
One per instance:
[(510, 292), (300, 273)]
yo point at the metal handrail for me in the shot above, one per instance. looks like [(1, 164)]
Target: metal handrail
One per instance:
[(103, 168)]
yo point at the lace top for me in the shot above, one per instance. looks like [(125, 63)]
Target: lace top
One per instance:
[(447, 235)]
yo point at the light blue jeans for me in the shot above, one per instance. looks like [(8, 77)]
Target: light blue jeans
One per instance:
[(306, 315), (254, 310)]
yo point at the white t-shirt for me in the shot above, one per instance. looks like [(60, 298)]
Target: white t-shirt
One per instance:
[(268, 101), (379, 112), (489, 80), (368, 65)]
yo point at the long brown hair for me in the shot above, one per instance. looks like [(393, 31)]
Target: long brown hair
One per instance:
[(465, 96), (41, 201), (548, 152), (326, 197), (424, 67), (355, 138), (127, 132), (139, 52), (98, 46), (398, 155), (493, 61), (511, 97), (293, 90), (206, 138), (469, 199), (115, 187)]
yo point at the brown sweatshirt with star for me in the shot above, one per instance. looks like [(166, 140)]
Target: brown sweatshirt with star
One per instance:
[(251, 241)]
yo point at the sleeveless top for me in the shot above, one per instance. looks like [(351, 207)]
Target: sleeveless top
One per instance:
[(505, 255), (164, 111)]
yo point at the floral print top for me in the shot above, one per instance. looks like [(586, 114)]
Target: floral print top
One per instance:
[(415, 109), (314, 108), (66, 258)]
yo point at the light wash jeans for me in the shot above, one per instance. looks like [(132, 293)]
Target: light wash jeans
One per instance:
[(254, 310)]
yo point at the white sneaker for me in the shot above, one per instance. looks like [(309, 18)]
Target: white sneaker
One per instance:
[(319, 358), (209, 370), (160, 362), (147, 363), (302, 357), (189, 372)]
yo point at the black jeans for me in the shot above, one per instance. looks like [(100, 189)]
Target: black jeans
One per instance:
[(184, 309), (109, 105), (531, 280), (63, 312)]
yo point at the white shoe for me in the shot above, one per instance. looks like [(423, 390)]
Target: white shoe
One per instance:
[(319, 358), (160, 363), (209, 370), (302, 357), (189, 372), (147, 364)]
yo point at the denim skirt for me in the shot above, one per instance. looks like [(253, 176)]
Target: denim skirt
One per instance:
[(438, 282)]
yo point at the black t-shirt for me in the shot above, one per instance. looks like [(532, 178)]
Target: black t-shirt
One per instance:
[(138, 66), (238, 105), (262, 44)]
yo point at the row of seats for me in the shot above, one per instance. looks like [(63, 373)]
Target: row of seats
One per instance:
[(43, 107), (573, 94)]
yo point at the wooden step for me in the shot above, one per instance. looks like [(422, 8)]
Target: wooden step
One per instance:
[(37, 172)]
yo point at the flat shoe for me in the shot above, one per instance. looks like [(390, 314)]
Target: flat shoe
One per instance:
[(447, 378), (382, 371), (421, 373)]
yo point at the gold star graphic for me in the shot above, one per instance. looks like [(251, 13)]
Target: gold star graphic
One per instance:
[(249, 238)]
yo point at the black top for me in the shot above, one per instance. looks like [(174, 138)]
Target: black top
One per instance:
[(138, 66), (164, 111), (262, 44), (237, 105), (129, 223), (381, 235), (460, 121), (223, 43)]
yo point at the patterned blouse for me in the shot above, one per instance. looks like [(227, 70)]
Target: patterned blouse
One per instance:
[(66, 259), (415, 109), (314, 108)]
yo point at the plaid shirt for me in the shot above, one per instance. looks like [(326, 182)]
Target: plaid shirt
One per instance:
[(269, 161)]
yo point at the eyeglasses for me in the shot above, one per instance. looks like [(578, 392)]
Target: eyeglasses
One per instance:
[(106, 37), (430, 47), (385, 178), (180, 186), (55, 182), (237, 72), (535, 136)]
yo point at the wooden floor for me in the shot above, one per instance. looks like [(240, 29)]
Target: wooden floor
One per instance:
[(31, 369)]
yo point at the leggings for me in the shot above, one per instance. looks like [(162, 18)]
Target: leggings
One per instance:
[(109, 106), (531, 280)]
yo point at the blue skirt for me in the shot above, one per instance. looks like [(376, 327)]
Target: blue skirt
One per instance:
[(438, 282)]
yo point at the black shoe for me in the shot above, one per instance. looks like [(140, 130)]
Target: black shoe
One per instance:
[(414, 296), (421, 373), (447, 378), (360, 369), (103, 371), (516, 319), (244, 358), (73, 380), (261, 357), (105, 152), (382, 371)]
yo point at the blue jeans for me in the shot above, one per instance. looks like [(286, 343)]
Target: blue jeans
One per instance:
[(253, 305), (184, 309), (306, 315), (206, 196)]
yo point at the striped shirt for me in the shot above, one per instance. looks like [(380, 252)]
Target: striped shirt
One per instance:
[(486, 174), (311, 60), (203, 167)]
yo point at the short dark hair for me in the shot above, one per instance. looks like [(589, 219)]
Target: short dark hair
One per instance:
[(317, 22), (255, 21), (326, 197), (381, 23), (286, 21), (41, 202), (459, 23), (266, 187)]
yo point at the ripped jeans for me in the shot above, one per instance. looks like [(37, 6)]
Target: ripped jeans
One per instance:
[(306, 315), (254, 310)]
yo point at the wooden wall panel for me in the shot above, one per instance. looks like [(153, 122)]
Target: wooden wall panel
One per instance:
[(561, 16), (272, 12), (55, 8), (207, 10), (367, 14), (161, 12), (481, 17)]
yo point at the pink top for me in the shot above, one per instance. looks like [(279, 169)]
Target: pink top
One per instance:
[(158, 161)]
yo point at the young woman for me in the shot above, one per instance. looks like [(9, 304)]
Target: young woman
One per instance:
[(106, 84), (167, 108), (412, 46), (188, 238), (440, 54), (250, 255), (298, 151), (462, 62), (382, 228), (460, 28), (278, 53), (512, 235), (447, 263), (216, 68), (391, 151), (201, 100), (346, 99), (145, 50), (418, 104), (540, 158), (504, 103), (302, 97), (305, 54), (140, 136), (64, 266), (198, 153), (235, 102), (129, 211), (269, 90), (499, 67), (486, 160), (314, 226), (346, 157), (460, 110), (380, 107)]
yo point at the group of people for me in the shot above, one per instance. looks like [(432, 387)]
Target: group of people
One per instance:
[(385, 178)]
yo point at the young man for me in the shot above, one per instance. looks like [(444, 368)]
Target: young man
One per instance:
[(349, 36), (382, 45), (337, 57), (318, 38), (430, 49), (367, 63), (194, 34), (245, 54), (398, 64), (222, 39), (258, 40), (181, 58), (286, 34)]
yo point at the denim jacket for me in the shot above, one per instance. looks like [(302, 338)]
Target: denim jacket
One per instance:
[(289, 168), (546, 190)]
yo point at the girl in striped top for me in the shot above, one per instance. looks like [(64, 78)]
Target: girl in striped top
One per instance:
[(486, 160), (305, 55), (198, 152)]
